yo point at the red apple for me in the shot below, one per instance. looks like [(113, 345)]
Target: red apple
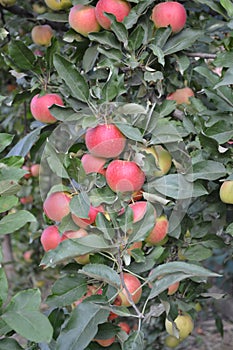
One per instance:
[(27, 168), (159, 231), (181, 95), (135, 245), (119, 8), (173, 288), (50, 238), (28, 255), (92, 164), (40, 107), (26, 199), (139, 210), (105, 141), (226, 192), (35, 170), (83, 19), (134, 287), (56, 205), (125, 327), (93, 211), (169, 13), (124, 176), (42, 34), (105, 342)]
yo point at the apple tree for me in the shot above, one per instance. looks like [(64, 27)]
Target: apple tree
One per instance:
[(116, 166)]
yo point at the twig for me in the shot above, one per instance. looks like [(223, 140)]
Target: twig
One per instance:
[(201, 54)]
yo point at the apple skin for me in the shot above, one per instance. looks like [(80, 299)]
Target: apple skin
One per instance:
[(169, 13), (26, 199), (184, 324), (6, 3), (92, 164), (124, 176), (42, 34), (35, 170), (172, 289), (125, 327), (105, 140), (139, 210), (28, 255), (83, 19), (105, 342), (27, 168), (171, 341), (40, 107), (50, 238), (159, 231), (56, 205), (93, 211), (163, 159), (134, 287), (58, 5), (181, 95), (119, 8), (226, 192)]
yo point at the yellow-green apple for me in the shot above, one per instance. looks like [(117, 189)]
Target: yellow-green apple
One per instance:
[(50, 238), (119, 8), (40, 107), (58, 5), (181, 95), (105, 140), (6, 3), (56, 205), (124, 326), (124, 176), (82, 259), (93, 164), (38, 8), (163, 159), (171, 342), (27, 199), (42, 34), (170, 13), (159, 231), (226, 192), (82, 19), (134, 288), (35, 170), (184, 324), (93, 211)]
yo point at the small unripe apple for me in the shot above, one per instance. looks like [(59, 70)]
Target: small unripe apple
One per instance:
[(171, 341), (39, 8), (119, 8), (181, 95), (158, 232), (40, 107), (163, 159), (184, 324), (134, 287), (6, 3), (169, 13), (226, 192), (93, 212), (125, 327), (83, 19), (50, 238), (58, 5), (124, 176), (56, 205), (42, 34), (105, 141), (35, 170), (92, 164)]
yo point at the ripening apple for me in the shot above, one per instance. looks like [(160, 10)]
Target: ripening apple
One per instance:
[(38, 8), (172, 289), (40, 107), (124, 176), (119, 8), (27, 168), (28, 255), (181, 95), (82, 259), (93, 212), (125, 327), (27, 199), (139, 210), (56, 206), (163, 159), (184, 324), (93, 164), (35, 170), (133, 285), (105, 140), (135, 245), (105, 342), (91, 290), (171, 342), (58, 5), (159, 231), (170, 13), (226, 192), (83, 19), (6, 3), (50, 238), (42, 34)]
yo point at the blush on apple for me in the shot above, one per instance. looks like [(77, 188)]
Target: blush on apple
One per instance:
[(93, 211), (40, 107), (56, 205), (50, 238), (159, 232), (170, 13), (133, 286), (83, 19), (42, 34), (35, 170), (93, 164), (181, 95), (119, 8)]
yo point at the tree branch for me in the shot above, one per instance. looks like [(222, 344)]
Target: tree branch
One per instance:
[(201, 54)]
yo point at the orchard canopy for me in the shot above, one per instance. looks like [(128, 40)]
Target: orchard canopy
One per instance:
[(116, 179)]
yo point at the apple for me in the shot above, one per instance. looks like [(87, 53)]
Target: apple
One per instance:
[(50, 238), (124, 176), (42, 34), (93, 211), (163, 159), (82, 259), (133, 285), (91, 290), (35, 170), (159, 231), (93, 164), (56, 205), (226, 192), (105, 140), (184, 324), (58, 5), (38, 8), (119, 8), (6, 3), (181, 95), (171, 341), (83, 19), (105, 342), (125, 327), (139, 210), (135, 245), (40, 107), (27, 168), (28, 255), (170, 13), (26, 199), (173, 288)]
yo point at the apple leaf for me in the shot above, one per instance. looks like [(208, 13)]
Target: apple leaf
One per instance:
[(5, 140), (9, 344), (14, 221), (134, 341), (102, 273)]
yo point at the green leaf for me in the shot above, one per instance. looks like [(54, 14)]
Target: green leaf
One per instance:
[(5, 140), (153, 76), (80, 205), (136, 38), (105, 226), (207, 170), (181, 41), (227, 79), (3, 286), (7, 202), (130, 132), (131, 108), (158, 52), (25, 300), (228, 6), (173, 185), (105, 38), (102, 273), (90, 57), (9, 344), (221, 132), (73, 79), (55, 160), (9, 187), (22, 55), (81, 327), (13, 222), (25, 144), (134, 342), (197, 253), (120, 31), (102, 195), (142, 228)]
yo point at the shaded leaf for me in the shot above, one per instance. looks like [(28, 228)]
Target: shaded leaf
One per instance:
[(5, 140), (102, 273), (14, 221)]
